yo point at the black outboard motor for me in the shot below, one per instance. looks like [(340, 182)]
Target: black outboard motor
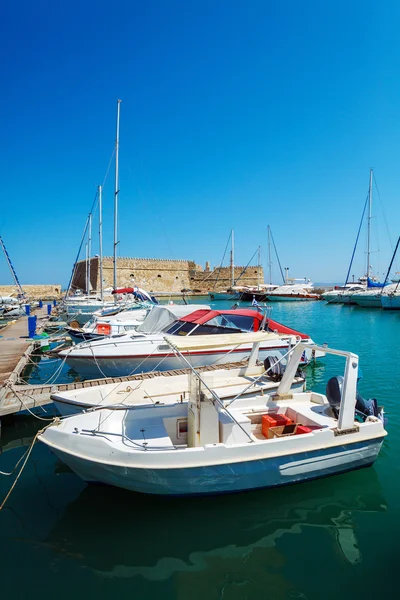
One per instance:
[(276, 369), (364, 408)]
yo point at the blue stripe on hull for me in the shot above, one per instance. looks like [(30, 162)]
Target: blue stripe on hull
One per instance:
[(235, 477)]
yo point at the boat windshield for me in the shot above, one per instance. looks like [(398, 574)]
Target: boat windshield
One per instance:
[(218, 325)]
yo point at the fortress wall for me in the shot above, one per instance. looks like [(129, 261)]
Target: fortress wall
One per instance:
[(163, 275), (34, 292)]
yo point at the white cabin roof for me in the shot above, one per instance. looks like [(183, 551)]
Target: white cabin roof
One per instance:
[(197, 342)]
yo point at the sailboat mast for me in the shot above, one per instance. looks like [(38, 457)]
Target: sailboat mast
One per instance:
[(101, 242), (258, 268), (232, 259), (269, 256), (12, 270), (116, 190), (88, 287), (87, 279), (369, 223)]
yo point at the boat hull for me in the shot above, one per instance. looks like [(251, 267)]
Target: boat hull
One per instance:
[(93, 367), (223, 296), (290, 298), (229, 477), (391, 302), (368, 301)]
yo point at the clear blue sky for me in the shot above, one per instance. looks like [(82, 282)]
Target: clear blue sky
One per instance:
[(235, 115)]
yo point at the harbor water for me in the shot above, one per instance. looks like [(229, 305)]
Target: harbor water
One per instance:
[(330, 538)]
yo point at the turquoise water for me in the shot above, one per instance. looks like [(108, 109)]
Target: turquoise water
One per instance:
[(331, 538)]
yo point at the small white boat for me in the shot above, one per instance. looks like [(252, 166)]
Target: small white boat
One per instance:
[(208, 446), (144, 349), (164, 388)]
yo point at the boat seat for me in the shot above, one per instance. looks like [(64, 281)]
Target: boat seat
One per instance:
[(311, 415)]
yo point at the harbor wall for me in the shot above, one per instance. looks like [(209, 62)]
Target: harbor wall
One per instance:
[(34, 292), (163, 275)]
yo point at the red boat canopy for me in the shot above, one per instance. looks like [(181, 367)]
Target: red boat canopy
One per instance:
[(123, 291), (199, 317)]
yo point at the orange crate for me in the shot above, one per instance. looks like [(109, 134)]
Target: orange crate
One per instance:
[(273, 420)]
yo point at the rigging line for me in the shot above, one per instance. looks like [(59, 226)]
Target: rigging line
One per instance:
[(246, 267), (384, 218), (221, 263), (390, 266), (108, 168), (355, 245), (277, 257), (77, 258)]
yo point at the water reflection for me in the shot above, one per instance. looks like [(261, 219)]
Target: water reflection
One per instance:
[(123, 534)]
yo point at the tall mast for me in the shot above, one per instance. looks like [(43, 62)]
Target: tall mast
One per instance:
[(88, 287), (269, 255), (232, 259), (101, 242), (87, 278), (369, 223), (116, 190), (258, 268)]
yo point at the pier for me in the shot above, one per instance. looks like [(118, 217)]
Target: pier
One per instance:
[(16, 349)]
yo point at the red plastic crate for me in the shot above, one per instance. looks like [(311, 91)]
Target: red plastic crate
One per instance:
[(302, 429)]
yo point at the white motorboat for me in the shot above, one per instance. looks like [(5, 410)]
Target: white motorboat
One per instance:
[(145, 350), (119, 323), (229, 381), (208, 446), (340, 293), (293, 292)]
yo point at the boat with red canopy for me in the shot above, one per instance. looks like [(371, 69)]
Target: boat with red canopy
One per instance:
[(145, 349)]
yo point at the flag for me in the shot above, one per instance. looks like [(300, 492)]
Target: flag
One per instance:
[(254, 302)]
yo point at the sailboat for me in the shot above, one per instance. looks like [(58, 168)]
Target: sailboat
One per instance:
[(229, 294), (81, 307), (358, 292)]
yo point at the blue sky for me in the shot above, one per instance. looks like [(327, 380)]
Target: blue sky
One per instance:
[(234, 115)]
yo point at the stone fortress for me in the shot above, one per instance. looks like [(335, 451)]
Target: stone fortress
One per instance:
[(163, 275)]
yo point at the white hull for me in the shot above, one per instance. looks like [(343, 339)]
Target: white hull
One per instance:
[(289, 298), (91, 367), (235, 476)]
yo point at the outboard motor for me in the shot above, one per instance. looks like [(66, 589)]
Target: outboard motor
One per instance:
[(334, 393), (363, 409), (275, 369)]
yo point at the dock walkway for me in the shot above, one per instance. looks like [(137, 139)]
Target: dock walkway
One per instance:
[(16, 348)]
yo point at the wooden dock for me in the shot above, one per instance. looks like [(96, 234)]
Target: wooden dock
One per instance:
[(15, 397), (16, 348)]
